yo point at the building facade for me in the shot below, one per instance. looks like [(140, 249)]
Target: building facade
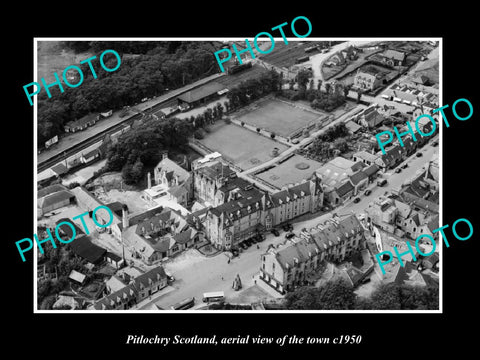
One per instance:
[(293, 264)]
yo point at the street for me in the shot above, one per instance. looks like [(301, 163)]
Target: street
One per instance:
[(205, 274), (196, 274)]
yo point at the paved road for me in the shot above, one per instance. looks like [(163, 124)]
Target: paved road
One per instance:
[(204, 274), (199, 274), (316, 61)]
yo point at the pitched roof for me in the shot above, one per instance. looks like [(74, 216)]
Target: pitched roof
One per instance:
[(75, 275), (184, 236), (113, 256), (50, 190), (125, 294), (130, 292), (172, 168), (201, 92), (154, 275), (364, 155), (59, 169), (54, 198), (178, 191), (67, 230), (83, 247), (291, 193), (357, 177), (352, 126), (357, 166), (345, 188), (370, 170), (433, 223), (82, 121)]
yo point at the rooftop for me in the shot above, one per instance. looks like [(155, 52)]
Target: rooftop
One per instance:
[(201, 92)]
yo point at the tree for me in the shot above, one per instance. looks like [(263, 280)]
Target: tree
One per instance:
[(328, 88), (333, 295), (359, 95), (219, 110), (393, 296), (319, 84), (341, 145), (303, 298), (302, 78)]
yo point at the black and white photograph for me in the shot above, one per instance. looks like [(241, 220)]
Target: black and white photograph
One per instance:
[(265, 186), (220, 181)]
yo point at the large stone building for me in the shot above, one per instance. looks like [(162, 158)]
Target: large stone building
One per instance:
[(293, 263), (245, 210), (208, 179)]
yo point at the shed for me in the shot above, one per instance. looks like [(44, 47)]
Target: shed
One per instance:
[(200, 94), (84, 248), (77, 277)]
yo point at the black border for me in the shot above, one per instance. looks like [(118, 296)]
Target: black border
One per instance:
[(382, 333)]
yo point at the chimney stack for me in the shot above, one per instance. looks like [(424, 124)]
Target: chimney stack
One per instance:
[(124, 218), (165, 155), (149, 180)]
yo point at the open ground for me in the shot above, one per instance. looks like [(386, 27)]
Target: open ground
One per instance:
[(292, 171), (243, 147), (277, 116)]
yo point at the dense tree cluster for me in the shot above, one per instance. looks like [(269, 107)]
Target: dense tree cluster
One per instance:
[(154, 67), (332, 142), (143, 146), (337, 295), (401, 297), (58, 261), (334, 295), (327, 100), (252, 89)]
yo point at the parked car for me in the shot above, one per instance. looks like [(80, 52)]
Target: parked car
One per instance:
[(235, 252), (367, 192), (397, 170), (325, 208), (381, 182), (289, 235), (435, 143), (170, 278), (419, 154), (243, 245), (356, 200), (404, 166), (275, 232), (257, 238)]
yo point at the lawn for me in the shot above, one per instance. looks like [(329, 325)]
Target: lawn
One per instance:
[(243, 147), (277, 116), (53, 58)]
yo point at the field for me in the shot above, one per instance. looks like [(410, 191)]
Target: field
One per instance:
[(243, 147), (277, 116), (52, 58), (292, 171)]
